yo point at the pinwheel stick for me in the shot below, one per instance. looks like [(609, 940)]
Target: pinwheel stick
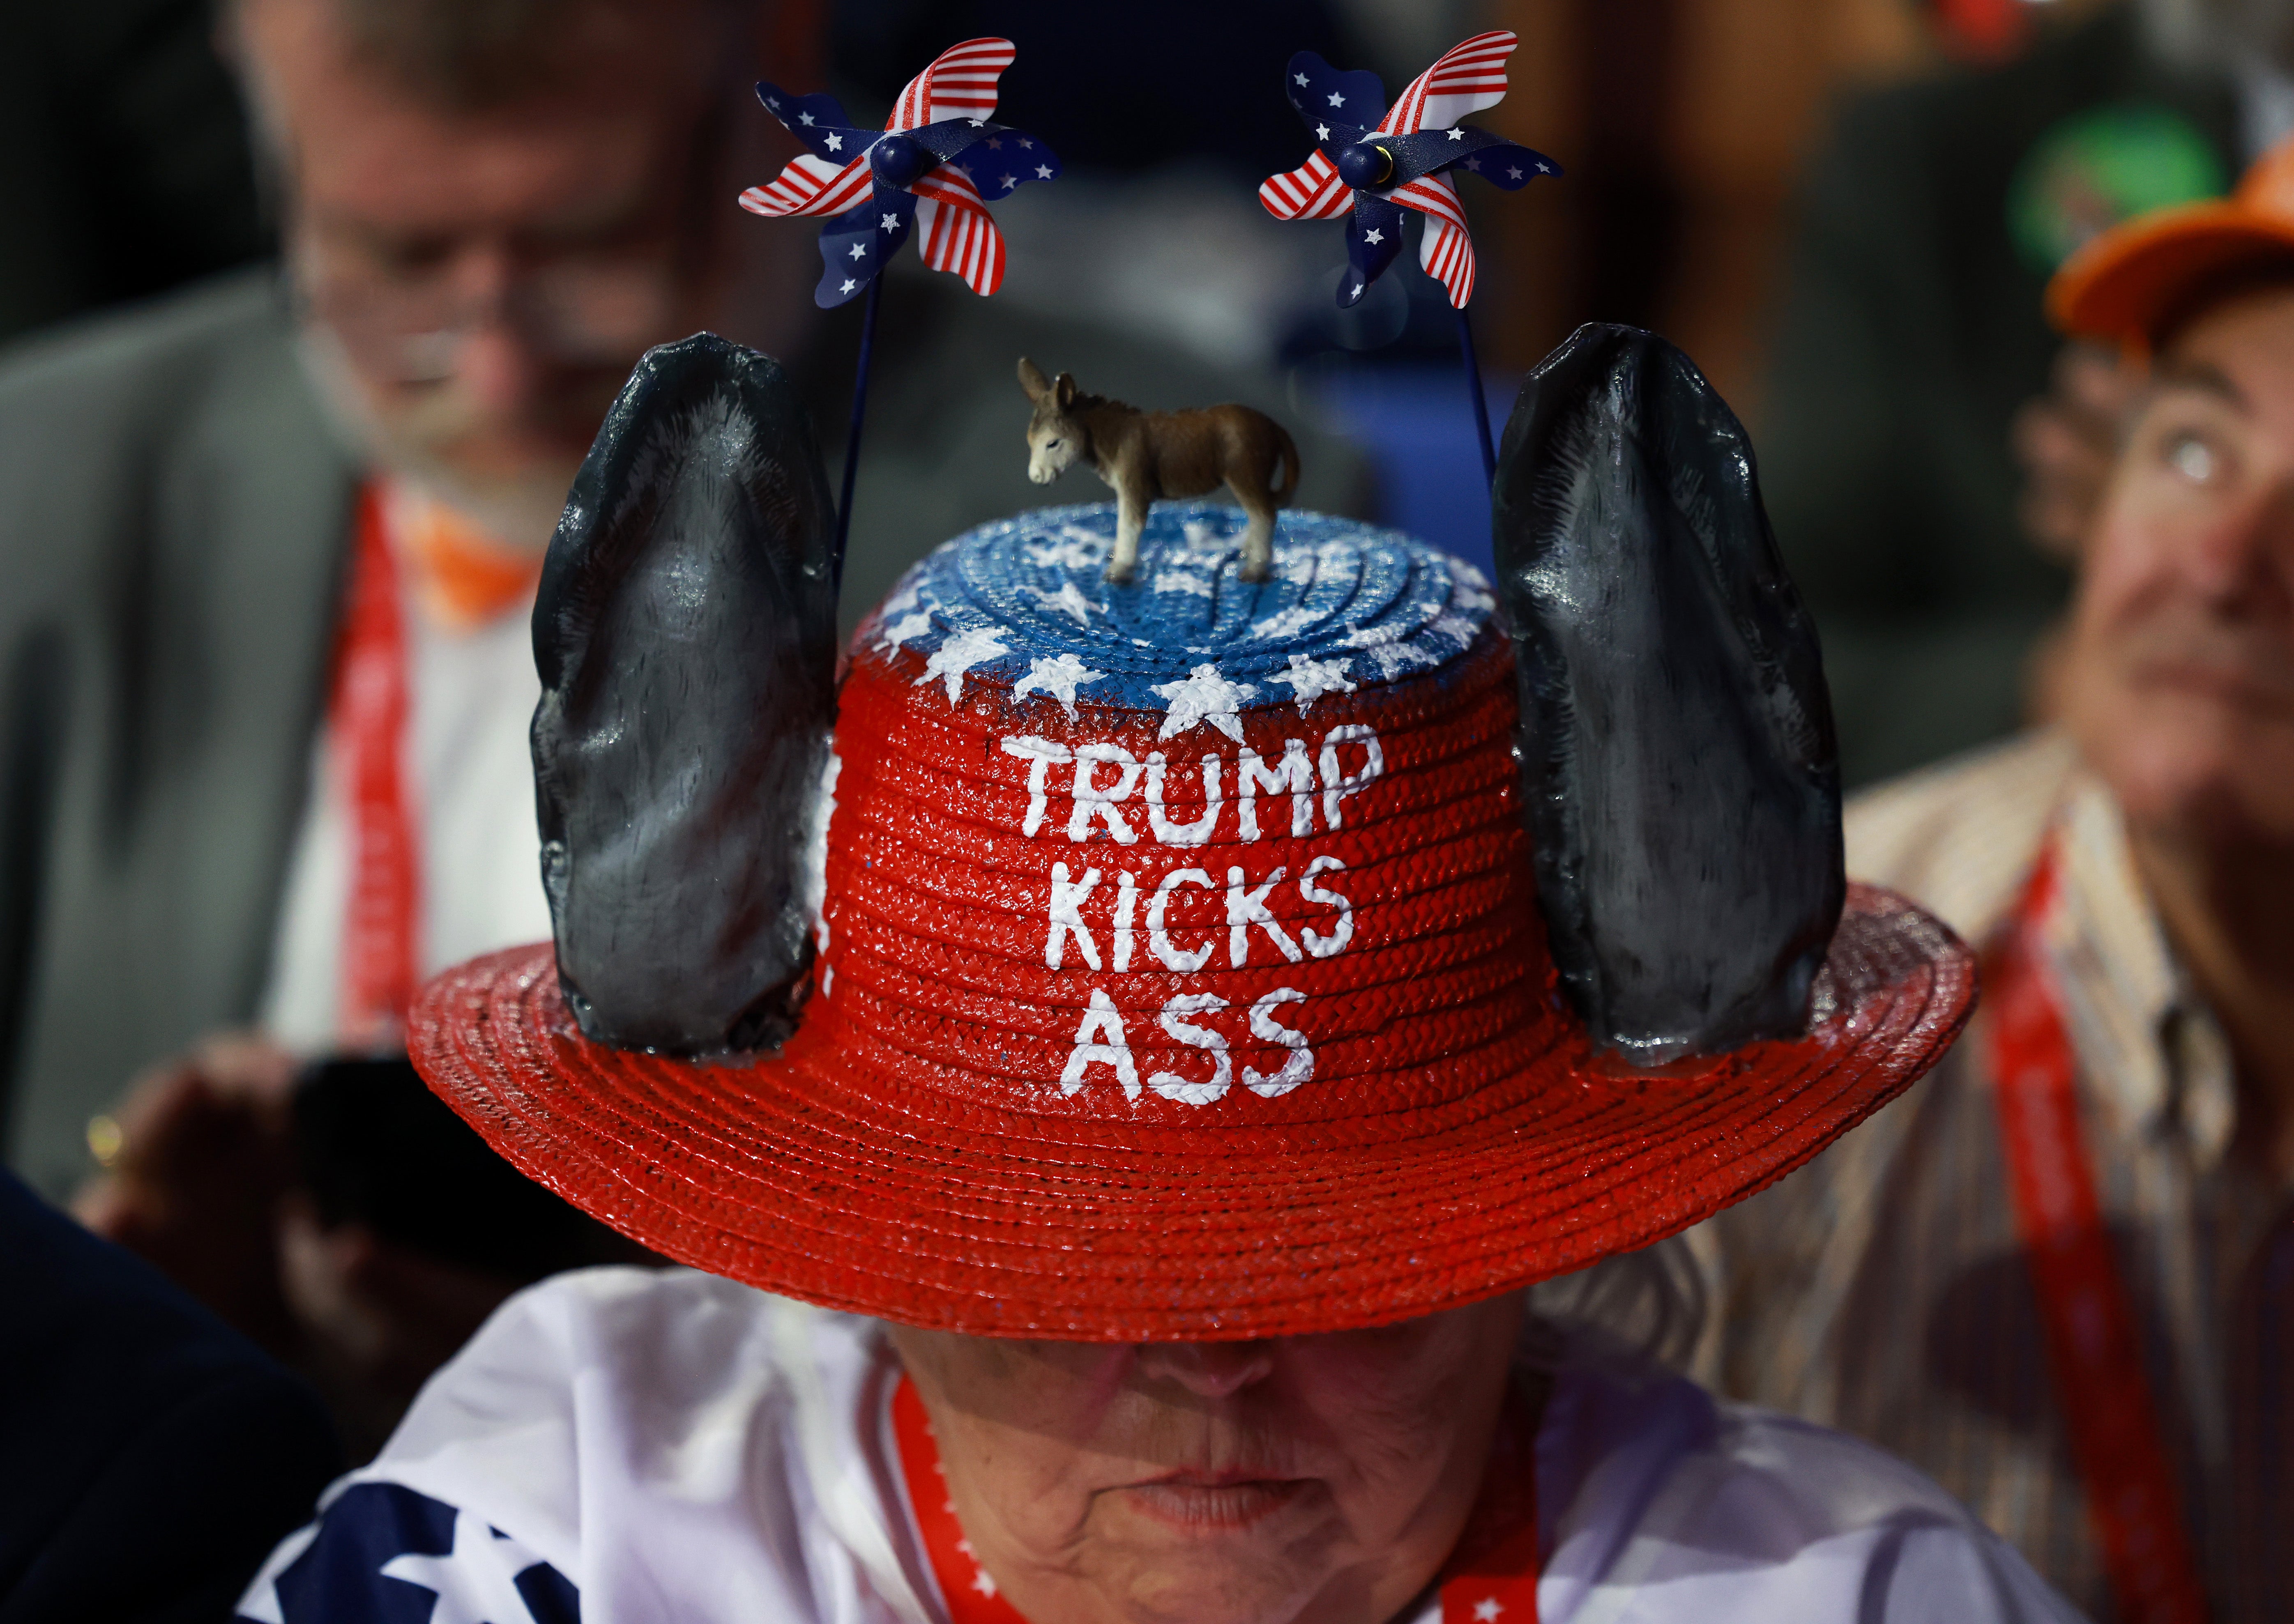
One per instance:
[(1473, 384), (860, 412)]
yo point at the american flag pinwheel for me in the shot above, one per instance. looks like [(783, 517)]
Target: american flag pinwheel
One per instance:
[(1371, 161), (927, 168)]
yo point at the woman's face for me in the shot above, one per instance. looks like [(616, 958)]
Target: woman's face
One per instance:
[(1321, 1478)]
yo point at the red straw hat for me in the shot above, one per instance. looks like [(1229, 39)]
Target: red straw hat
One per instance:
[(2128, 282), (1180, 972)]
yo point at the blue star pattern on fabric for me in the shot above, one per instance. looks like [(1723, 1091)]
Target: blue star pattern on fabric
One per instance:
[(1023, 603), (382, 1554)]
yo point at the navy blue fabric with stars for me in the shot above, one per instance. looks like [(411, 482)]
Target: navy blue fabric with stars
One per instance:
[(340, 1577)]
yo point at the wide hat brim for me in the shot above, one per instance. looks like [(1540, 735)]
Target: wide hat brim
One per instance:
[(804, 1175)]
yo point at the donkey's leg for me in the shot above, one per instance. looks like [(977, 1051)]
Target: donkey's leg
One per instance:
[(1130, 519), (1258, 535)]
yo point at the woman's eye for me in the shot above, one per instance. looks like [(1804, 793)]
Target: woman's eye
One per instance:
[(2193, 458)]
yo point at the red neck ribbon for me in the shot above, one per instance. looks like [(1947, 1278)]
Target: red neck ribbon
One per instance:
[(367, 715), (2093, 1352), (1491, 1579)]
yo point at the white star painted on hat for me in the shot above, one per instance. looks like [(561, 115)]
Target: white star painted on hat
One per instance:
[(1474, 164), (1043, 171), (1311, 678), (1358, 288), (1203, 695), (908, 628), (1337, 100), (859, 250), (890, 223), (1075, 549), (1025, 142), (1373, 235), (1299, 76), (1513, 172), (1060, 677), (1184, 580), (1486, 1610), (834, 143), (1457, 134), (1009, 181), (1457, 628), (804, 119), (1321, 131), (848, 285), (1283, 623), (977, 123), (958, 655), (472, 1582), (995, 143), (1067, 600)]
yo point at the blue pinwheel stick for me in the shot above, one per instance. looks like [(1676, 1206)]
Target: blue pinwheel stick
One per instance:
[(927, 173), (1372, 160)]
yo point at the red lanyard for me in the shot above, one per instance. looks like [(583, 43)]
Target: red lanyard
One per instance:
[(367, 715), (1497, 1585), (2093, 1352)]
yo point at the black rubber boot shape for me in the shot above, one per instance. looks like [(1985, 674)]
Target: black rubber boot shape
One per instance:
[(686, 633), (1681, 777)]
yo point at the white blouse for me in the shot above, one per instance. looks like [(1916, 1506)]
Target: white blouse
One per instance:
[(627, 1446)]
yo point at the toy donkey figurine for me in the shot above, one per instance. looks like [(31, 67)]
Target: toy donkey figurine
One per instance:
[(1149, 454)]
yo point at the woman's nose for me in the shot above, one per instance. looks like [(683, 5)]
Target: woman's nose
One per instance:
[(1209, 1369)]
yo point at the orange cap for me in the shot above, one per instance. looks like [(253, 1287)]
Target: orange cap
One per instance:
[(2124, 283)]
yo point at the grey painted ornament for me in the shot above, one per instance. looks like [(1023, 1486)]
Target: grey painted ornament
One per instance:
[(1679, 768), (686, 633)]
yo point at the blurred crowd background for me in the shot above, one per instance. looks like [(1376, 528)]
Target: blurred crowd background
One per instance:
[(1844, 210)]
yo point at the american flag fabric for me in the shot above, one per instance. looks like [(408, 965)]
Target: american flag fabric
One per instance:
[(1410, 150), (929, 174), (382, 1554)]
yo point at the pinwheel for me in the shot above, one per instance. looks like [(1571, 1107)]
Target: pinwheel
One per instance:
[(1373, 161), (925, 168)]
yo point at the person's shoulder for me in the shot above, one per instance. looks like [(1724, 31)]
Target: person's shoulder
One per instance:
[(1958, 837), (627, 1421), (1668, 1504), (146, 347)]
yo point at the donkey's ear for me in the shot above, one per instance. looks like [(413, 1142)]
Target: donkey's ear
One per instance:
[(1064, 389), (685, 632), (1678, 761), (1032, 379)]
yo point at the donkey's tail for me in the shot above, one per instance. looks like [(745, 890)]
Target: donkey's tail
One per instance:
[(1287, 453)]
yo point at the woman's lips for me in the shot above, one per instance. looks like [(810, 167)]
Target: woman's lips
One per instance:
[(1208, 1503)]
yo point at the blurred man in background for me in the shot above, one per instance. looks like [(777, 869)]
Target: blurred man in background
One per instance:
[(265, 671), (1910, 340), (2059, 1276)]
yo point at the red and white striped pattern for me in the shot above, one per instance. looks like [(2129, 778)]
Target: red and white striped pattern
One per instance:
[(954, 232), (1311, 191), (960, 84), (810, 186), (1463, 79), (1447, 251)]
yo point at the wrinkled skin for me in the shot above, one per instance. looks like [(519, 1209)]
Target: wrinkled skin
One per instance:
[(2181, 678), (686, 634), (1679, 769), (1320, 1478)]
